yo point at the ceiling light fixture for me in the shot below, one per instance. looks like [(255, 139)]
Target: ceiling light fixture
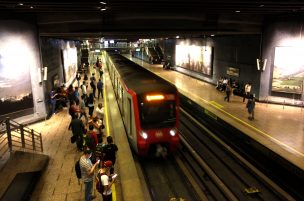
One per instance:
[(104, 3), (31, 7), (20, 4), (237, 11), (212, 35), (103, 9)]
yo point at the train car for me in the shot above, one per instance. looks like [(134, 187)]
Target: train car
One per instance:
[(149, 106)]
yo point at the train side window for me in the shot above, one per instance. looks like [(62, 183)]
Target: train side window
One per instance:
[(129, 117), (122, 101)]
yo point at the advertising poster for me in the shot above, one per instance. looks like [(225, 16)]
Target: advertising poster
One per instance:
[(69, 63), (194, 58), (15, 81), (288, 71)]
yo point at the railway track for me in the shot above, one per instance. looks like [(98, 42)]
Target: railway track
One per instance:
[(206, 168), (219, 171)]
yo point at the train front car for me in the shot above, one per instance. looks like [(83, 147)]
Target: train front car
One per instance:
[(158, 123)]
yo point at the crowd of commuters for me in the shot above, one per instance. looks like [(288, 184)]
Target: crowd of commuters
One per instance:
[(87, 128)]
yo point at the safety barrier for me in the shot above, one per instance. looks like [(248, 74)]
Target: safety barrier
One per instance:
[(17, 137)]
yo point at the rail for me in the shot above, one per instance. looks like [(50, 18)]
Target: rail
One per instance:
[(15, 136)]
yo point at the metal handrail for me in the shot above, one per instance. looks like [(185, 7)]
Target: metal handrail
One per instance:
[(29, 139)]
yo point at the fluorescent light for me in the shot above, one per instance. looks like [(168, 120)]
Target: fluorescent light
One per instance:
[(237, 11), (102, 2), (177, 36), (103, 9)]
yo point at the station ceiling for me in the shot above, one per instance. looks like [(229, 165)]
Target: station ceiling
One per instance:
[(133, 19)]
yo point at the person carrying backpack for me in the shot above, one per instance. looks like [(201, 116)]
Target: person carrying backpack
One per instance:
[(87, 174), (109, 152), (104, 181)]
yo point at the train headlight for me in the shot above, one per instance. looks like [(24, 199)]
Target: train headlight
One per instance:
[(144, 135), (173, 132)]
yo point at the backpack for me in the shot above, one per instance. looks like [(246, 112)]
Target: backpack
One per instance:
[(78, 169), (98, 150), (99, 186)]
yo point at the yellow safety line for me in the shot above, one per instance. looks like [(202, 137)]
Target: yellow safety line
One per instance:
[(215, 104), (108, 130), (243, 122), (252, 127)]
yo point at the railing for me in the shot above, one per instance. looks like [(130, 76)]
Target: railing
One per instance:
[(15, 136)]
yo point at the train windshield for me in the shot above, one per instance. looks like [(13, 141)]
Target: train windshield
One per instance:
[(157, 114)]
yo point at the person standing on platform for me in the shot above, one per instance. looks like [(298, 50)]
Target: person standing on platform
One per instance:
[(250, 107), (82, 108), (90, 103), (52, 101), (93, 87), (78, 78), (77, 128), (87, 173), (100, 71), (100, 88), (109, 152), (247, 91), (99, 111), (228, 92), (84, 89), (107, 181)]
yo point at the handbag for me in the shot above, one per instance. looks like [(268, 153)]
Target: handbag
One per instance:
[(73, 139)]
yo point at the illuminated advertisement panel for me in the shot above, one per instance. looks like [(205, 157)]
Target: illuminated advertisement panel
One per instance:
[(194, 58), (288, 71), (69, 63), (16, 56)]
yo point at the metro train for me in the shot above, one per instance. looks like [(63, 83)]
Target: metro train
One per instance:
[(149, 106)]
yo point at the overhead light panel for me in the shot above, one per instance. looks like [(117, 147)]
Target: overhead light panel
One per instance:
[(102, 2)]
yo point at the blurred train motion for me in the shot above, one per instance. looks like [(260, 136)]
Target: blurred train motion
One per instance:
[(148, 104)]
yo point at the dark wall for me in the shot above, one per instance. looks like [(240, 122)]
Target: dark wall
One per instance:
[(238, 52)]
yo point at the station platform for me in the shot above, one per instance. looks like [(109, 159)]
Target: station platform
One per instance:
[(278, 127), (59, 182)]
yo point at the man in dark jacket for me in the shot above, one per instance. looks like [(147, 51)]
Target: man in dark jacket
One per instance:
[(109, 152), (77, 128), (100, 88)]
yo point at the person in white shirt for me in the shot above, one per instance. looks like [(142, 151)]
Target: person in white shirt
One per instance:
[(100, 112), (84, 89), (106, 180), (247, 91)]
